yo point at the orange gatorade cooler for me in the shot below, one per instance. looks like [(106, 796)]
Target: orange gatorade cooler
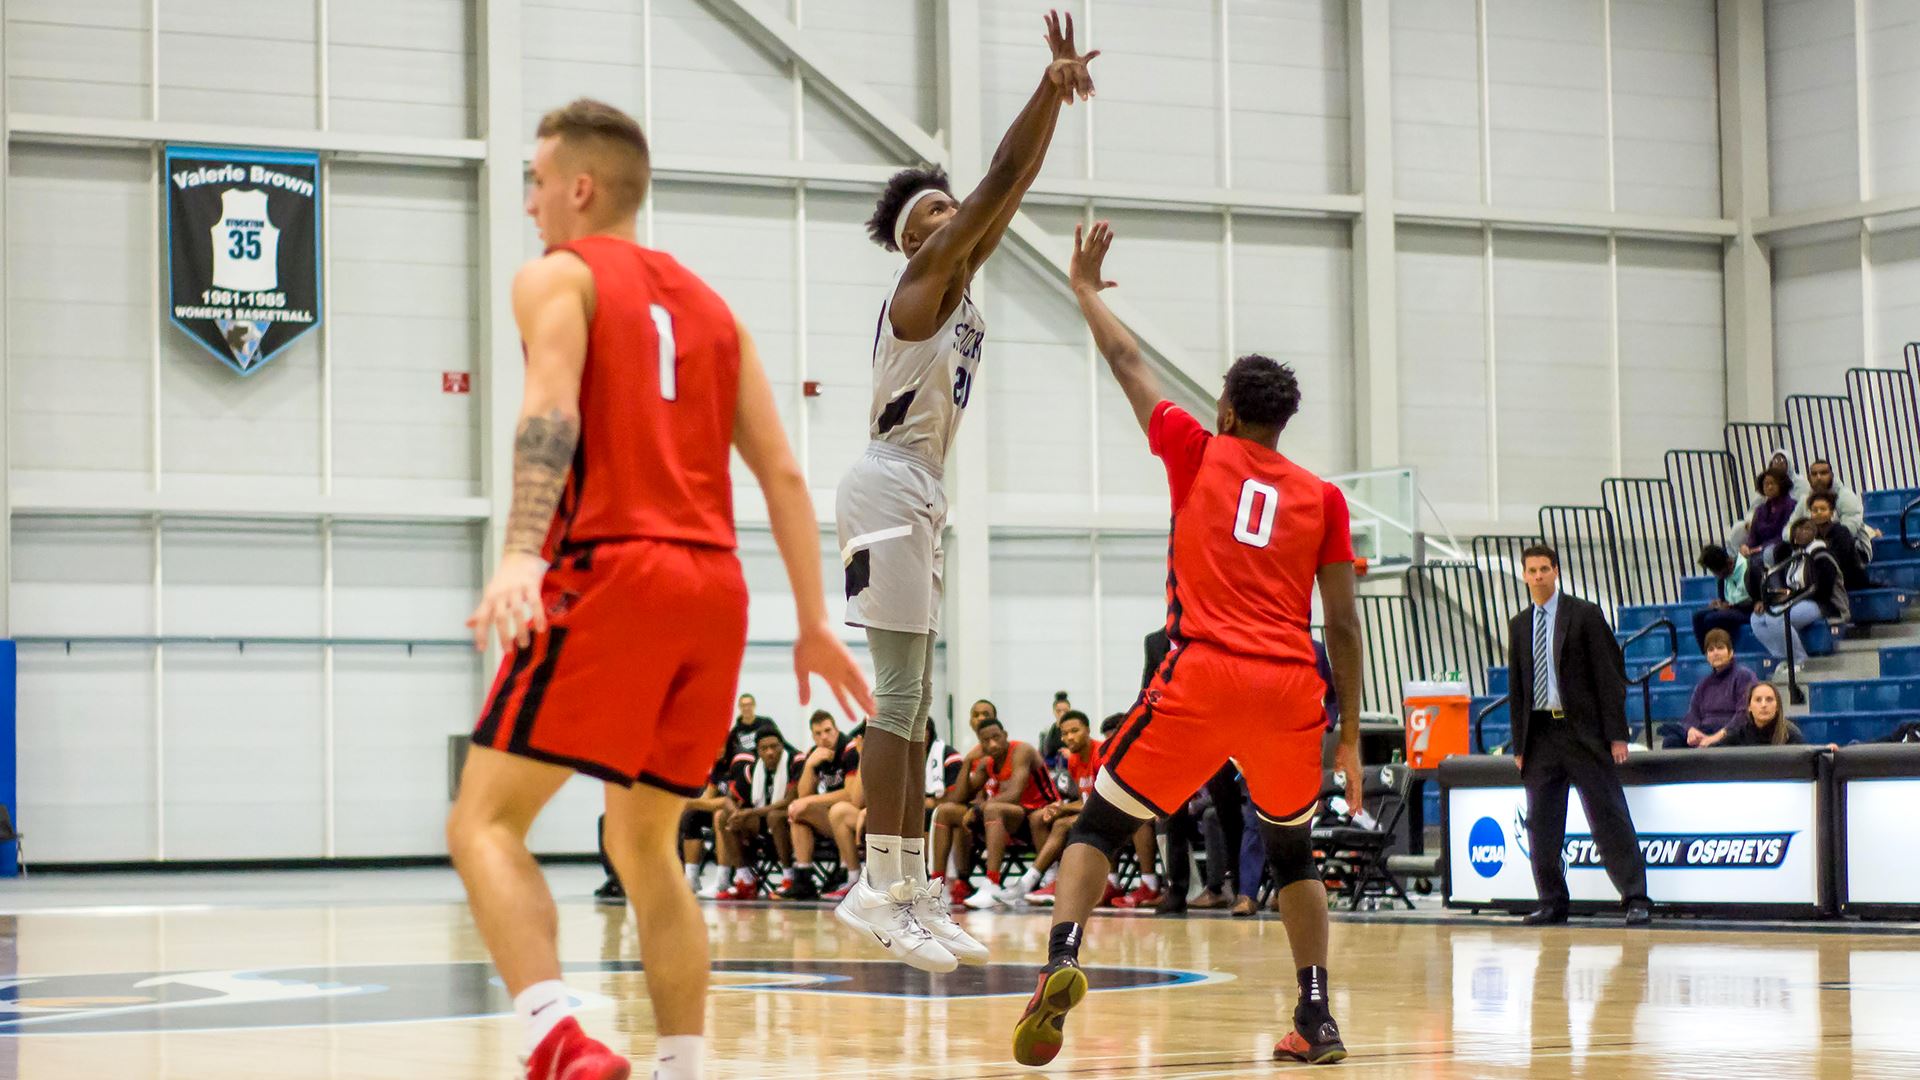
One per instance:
[(1438, 721)]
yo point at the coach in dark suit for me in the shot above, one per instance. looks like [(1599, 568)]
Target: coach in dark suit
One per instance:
[(1569, 707)]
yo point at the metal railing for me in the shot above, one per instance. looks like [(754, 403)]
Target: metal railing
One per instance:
[(1749, 447), (1589, 550), (1506, 590), (1650, 555), (1385, 630), (1447, 607), (1703, 488), (1823, 430), (1480, 723), (1645, 679), (240, 643), (1909, 533), (1886, 412)]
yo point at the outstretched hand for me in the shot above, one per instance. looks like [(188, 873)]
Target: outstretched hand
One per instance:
[(1068, 71), (1089, 255)]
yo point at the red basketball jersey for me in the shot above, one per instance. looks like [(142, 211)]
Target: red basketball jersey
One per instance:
[(657, 404), (1250, 531)]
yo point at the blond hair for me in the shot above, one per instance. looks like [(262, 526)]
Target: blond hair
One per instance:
[(615, 148)]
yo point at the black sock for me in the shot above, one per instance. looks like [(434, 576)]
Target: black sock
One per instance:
[(1313, 988), (1064, 945)]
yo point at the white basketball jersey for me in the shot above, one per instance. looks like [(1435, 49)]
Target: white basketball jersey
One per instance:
[(920, 388), (246, 246)]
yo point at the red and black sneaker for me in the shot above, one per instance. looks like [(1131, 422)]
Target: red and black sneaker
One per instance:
[(1314, 1040), (1140, 897), (1041, 1032), (567, 1053)]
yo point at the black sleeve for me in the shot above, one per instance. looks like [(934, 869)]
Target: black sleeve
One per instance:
[(849, 761), (950, 771), (1157, 647), (1609, 675), (739, 782), (1826, 578)]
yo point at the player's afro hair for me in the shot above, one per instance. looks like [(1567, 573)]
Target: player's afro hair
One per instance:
[(899, 189), (1263, 391)]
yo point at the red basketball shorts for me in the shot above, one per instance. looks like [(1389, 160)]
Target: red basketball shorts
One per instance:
[(633, 680), (1206, 705)]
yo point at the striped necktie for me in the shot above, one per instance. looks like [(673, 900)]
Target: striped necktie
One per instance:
[(1542, 658)]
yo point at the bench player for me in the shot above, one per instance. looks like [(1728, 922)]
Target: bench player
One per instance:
[(619, 600), (1252, 535)]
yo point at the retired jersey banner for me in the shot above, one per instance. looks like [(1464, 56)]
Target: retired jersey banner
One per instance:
[(243, 243)]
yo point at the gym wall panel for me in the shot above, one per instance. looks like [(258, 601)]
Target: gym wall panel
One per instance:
[(581, 48), (86, 752), (728, 97), (392, 716), (80, 317), (240, 578), (405, 281), (1042, 597), (1813, 144), (1171, 268), (847, 278), (1672, 352), (1157, 119), (1290, 116), (1546, 93), (1666, 109), (1133, 604), (79, 59), (888, 44), (1892, 120), (82, 576), (1034, 372), (243, 753), (406, 580), (1817, 331), (1293, 286), (1436, 100), (1550, 328), (239, 62), (402, 67), (1895, 313), (222, 435), (1013, 59), (1443, 369)]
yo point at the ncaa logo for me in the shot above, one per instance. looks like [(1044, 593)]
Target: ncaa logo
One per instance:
[(1486, 847)]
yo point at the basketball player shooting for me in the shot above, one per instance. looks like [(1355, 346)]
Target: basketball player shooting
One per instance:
[(891, 506), (1252, 534), (619, 600)]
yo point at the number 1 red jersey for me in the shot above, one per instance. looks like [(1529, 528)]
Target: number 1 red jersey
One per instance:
[(1250, 531), (657, 402)]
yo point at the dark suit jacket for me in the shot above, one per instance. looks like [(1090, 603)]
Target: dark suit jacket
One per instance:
[(1593, 681)]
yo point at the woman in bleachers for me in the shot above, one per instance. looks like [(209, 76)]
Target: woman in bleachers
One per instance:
[(1812, 569), (1761, 724), (1718, 700), (1767, 517)]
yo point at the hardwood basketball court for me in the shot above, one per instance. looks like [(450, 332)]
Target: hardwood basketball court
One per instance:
[(379, 974)]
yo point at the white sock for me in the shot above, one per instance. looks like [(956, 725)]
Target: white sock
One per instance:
[(883, 860), (677, 1057), (1030, 880), (693, 876), (1113, 880), (913, 860), (1151, 881), (1053, 874), (540, 1007), (744, 874)]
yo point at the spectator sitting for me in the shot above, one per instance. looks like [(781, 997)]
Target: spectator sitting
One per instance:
[(1760, 723), (1811, 568), (1842, 540), (1718, 701), (1848, 510), (1736, 580), (824, 802), (758, 794), (1767, 516)]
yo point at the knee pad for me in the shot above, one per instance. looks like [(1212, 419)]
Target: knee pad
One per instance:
[(1104, 827), (1289, 852)]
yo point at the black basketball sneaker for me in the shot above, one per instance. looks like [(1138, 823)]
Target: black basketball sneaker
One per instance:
[(1315, 1039), (1041, 1032)]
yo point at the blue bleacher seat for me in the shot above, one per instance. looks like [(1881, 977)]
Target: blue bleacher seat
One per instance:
[(1699, 590), (1635, 616), (1497, 681), (1878, 605), (1887, 549), (1888, 523), (1852, 727), (1900, 661), (1889, 501), (1902, 574), (1864, 695)]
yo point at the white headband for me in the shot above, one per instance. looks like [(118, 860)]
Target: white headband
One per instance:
[(900, 223)]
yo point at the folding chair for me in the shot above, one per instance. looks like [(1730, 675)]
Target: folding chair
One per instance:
[(1357, 855)]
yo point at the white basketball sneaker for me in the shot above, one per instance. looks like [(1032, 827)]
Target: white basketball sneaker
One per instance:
[(890, 924), (987, 896), (932, 910)]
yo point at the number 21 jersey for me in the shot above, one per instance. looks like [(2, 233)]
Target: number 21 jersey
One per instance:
[(1251, 530), (920, 388)]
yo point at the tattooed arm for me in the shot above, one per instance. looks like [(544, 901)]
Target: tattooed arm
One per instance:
[(552, 303)]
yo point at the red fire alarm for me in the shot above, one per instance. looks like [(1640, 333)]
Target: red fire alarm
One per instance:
[(456, 382), (810, 388)]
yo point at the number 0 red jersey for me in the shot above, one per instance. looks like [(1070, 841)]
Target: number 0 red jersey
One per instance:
[(657, 403), (1250, 531)]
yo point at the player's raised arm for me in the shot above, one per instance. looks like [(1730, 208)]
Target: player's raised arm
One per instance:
[(762, 443), (1110, 335), (1344, 652), (552, 297), (957, 248)]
